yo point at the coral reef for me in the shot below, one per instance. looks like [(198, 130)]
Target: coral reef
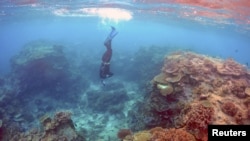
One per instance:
[(172, 134), (247, 91), (122, 133), (189, 92), (229, 108), (60, 128), (230, 67), (142, 136), (194, 90), (41, 61), (165, 89), (160, 134), (198, 119), (139, 136)]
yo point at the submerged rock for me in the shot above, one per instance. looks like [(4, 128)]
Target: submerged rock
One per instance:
[(41, 66), (60, 128)]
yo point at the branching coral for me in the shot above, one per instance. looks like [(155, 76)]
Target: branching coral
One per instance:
[(198, 119)]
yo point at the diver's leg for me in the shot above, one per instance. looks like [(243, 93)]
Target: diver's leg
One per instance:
[(113, 32), (111, 35), (107, 55)]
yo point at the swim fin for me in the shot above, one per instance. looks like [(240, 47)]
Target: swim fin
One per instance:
[(111, 35)]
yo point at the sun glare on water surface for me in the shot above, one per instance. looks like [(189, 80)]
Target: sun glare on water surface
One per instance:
[(105, 14)]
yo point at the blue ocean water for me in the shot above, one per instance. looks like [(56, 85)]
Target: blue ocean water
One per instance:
[(214, 28), (150, 24)]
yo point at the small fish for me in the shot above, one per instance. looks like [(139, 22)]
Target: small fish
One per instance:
[(236, 50), (247, 63)]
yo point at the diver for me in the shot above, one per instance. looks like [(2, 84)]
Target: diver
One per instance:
[(105, 65)]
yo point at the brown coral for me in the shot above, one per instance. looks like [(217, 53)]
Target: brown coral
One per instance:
[(160, 134), (229, 108), (239, 118), (247, 91), (62, 117), (247, 102), (248, 113), (198, 119), (238, 88), (122, 133), (160, 78), (174, 78), (230, 67), (203, 88), (170, 67)]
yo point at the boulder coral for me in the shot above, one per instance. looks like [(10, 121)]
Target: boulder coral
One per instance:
[(229, 108)]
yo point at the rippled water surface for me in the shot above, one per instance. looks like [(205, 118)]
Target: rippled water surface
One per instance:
[(219, 28)]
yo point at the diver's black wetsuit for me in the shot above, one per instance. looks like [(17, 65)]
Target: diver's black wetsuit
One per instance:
[(105, 65)]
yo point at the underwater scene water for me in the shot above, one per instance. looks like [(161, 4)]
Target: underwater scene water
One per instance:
[(129, 70)]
